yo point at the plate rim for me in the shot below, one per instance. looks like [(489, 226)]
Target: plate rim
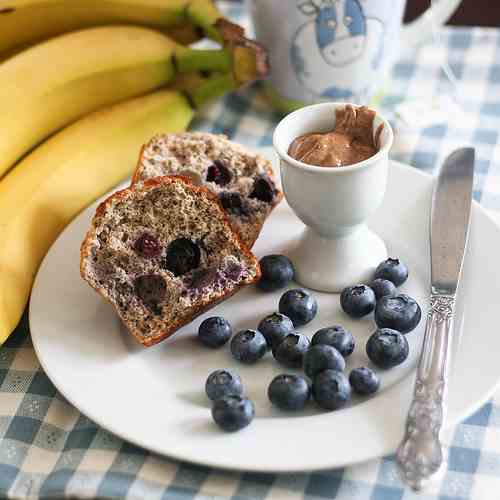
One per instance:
[(213, 462)]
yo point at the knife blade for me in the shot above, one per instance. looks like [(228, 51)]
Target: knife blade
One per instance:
[(450, 216), (420, 454)]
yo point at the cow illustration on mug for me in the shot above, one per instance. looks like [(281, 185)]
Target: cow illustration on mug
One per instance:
[(336, 42)]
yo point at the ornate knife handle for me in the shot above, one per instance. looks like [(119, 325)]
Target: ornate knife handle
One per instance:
[(420, 454)]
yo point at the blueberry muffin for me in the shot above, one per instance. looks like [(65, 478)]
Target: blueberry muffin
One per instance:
[(243, 181), (162, 252)]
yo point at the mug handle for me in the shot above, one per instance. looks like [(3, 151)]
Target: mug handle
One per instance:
[(420, 30)]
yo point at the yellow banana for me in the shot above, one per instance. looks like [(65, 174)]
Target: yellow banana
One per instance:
[(184, 34), (29, 21), (54, 83), (51, 185)]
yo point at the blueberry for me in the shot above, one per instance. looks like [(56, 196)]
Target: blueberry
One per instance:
[(232, 413), (183, 256), (357, 301), (214, 332), (291, 350), (151, 289), (319, 358), (289, 392), (232, 203), (401, 313), (387, 348), (222, 383), (219, 173), (248, 346), (382, 288), (299, 305), (147, 246), (393, 270), (335, 336), (263, 190), (331, 389), (277, 271), (364, 381), (275, 328)]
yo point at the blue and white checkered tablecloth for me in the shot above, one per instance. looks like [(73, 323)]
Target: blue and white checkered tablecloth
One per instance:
[(49, 450)]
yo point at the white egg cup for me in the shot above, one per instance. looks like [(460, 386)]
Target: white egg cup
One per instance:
[(336, 249)]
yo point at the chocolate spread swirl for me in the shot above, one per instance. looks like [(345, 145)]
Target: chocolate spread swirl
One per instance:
[(351, 141)]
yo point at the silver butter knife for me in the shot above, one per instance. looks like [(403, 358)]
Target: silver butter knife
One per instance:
[(420, 454)]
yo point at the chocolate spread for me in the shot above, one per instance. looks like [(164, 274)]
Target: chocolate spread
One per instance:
[(351, 141)]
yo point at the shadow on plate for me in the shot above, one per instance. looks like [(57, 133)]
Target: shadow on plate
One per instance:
[(196, 398)]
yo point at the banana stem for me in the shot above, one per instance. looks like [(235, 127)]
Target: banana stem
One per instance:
[(204, 14), (209, 88), (246, 60), (249, 57), (203, 60), (203, 19)]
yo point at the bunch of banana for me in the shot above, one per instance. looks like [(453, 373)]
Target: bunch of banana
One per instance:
[(52, 84), (113, 87), (24, 22)]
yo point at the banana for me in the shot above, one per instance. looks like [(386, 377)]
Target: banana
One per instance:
[(51, 185), (52, 84), (25, 22), (184, 34)]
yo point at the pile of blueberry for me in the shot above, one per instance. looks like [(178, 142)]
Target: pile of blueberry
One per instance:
[(322, 358), (395, 314)]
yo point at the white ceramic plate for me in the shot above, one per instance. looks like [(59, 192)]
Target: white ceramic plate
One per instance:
[(155, 397)]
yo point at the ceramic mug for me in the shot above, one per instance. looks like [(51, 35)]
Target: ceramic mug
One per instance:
[(336, 50)]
